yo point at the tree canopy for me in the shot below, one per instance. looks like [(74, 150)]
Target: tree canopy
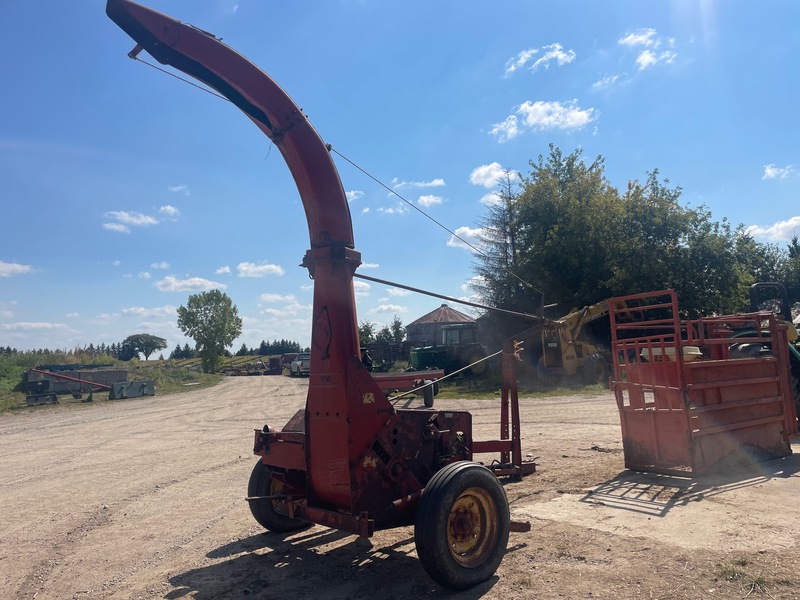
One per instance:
[(566, 230), (369, 333), (212, 321), (145, 343)]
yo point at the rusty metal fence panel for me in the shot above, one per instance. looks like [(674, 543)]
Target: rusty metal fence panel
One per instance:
[(698, 396)]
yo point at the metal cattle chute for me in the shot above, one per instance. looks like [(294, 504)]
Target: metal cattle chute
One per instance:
[(350, 459)]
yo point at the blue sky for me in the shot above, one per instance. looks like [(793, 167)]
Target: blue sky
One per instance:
[(125, 190)]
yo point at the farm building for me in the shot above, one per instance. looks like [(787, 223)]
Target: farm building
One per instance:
[(427, 329)]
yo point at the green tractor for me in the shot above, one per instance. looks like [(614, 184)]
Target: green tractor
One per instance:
[(459, 348)]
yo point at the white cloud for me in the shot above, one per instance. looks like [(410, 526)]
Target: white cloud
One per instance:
[(541, 116), (649, 56), (491, 199), (777, 232), (506, 130), (353, 195), (487, 175), (6, 314), (398, 209), (470, 284), (388, 308), (467, 234), (72, 315), (192, 284), (369, 266), (641, 37), (438, 182), (645, 59), (143, 313), (144, 275), (226, 270), (393, 291), (132, 218), (176, 189), (160, 265), (773, 172), (553, 52), (117, 263), (248, 269), (9, 269), (277, 298), (170, 211), (607, 82), (361, 289), (118, 227), (33, 326), (429, 200), (520, 60)]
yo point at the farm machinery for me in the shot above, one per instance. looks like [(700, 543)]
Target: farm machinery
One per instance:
[(350, 459), (458, 348)]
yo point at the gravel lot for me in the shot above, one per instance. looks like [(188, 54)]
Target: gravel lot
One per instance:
[(145, 499)]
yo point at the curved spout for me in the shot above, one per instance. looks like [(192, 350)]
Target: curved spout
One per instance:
[(204, 57)]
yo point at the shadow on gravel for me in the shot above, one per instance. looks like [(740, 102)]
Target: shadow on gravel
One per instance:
[(655, 495), (272, 566)]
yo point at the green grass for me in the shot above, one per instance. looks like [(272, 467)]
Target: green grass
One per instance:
[(465, 387)]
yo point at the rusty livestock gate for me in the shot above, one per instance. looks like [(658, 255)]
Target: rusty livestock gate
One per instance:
[(701, 395)]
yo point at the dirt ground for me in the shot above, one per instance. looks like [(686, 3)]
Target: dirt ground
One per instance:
[(145, 499)]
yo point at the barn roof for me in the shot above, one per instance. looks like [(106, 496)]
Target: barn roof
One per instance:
[(443, 314)]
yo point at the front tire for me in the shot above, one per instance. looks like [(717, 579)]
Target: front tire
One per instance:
[(462, 525), (270, 514), (594, 369)]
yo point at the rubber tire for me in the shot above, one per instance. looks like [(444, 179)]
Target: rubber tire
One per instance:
[(428, 393), (452, 487), (481, 367), (594, 369), (266, 512)]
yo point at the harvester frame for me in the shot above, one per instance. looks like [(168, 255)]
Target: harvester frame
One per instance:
[(350, 459)]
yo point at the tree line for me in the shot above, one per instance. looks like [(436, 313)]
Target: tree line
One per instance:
[(270, 348), (564, 235), (394, 333), (127, 349)]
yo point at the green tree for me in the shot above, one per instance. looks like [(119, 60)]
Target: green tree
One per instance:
[(497, 266), (145, 343), (383, 335), (790, 270), (566, 230), (398, 331), (212, 321), (127, 350), (366, 332)]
